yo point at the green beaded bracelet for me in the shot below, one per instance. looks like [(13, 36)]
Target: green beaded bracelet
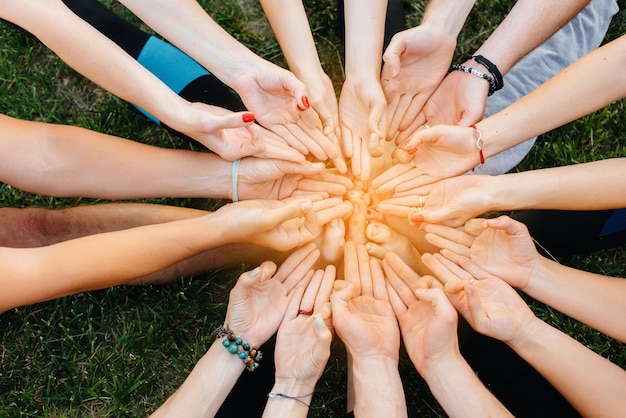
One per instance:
[(235, 345)]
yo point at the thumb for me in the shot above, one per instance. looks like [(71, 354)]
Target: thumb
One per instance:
[(291, 210)]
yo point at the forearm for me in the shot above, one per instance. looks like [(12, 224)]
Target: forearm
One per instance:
[(96, 57), (589, 84), (594, 299), (378, 389), (103, 260), (191, 29), (459, 391), (206, 388), (281, 406), (536, 20), (61, 160), (447, 15), (591, 186), (591, 383), (365, 28), (291, 27)]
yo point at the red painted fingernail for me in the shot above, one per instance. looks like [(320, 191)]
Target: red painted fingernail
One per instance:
[(412, 151), (305, 102), (300, 108), (247, 117), (417, 218)]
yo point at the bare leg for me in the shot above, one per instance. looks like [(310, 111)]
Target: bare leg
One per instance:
[(33, 227)]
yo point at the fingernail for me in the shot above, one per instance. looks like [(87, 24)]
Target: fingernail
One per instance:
[(412, 151), (403, 144), (305, 102), (319, 322), (300, 108), (255, 272), (318, 166), (247, 117), (417, 218)]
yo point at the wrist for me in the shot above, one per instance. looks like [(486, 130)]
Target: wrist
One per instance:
[(527, 334), (294, 386), (438, 15)]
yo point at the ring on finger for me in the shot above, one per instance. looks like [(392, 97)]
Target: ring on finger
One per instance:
[(421, 202), (303, 312)]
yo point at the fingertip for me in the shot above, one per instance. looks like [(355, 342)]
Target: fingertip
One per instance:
[(306, 206)]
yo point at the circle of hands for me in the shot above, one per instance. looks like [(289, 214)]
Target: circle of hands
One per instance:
[(387, 244), (355, 274)]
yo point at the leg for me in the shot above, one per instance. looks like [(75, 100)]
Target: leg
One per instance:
[(577, 38), (23, 228)]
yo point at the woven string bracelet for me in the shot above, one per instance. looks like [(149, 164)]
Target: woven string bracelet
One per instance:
[(295, 398)]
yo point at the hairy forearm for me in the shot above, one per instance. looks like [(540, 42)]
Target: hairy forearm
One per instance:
[(591, 383), (589, 84), (459, 391), (206, 388), (536, 21), (365, 29), (590, 186), (594, 299), (61, 160), (192, 30)]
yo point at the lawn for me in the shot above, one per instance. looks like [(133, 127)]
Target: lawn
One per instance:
[(122, 351)]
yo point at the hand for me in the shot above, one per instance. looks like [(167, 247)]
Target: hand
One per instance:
[(459, 100), (303, 340), (449, 202), (233, 135), (434, 154), (501, 246), (276, 224), (280, 103), (490, 306), (427, 319), (415, 62), (362, 117), (362, 315), (277, 180), (258, 301)]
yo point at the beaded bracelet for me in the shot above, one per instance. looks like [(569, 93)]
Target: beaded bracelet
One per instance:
[(251, 357), (477, 73)]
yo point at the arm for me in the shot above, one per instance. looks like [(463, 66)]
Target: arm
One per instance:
[(278, 99), (590, 83), (591, 383), (429, 328), (590, 298), (109, 259), (589, 186), (362, 104), (62, 160), (211, 380), (302, 348), (365, 322), (416, 61)]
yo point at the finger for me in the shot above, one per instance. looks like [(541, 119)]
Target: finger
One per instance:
[(397, 304), (290, 210), (326, 287), (258, 274), (388, 180), (402, 289), (319, 185), (379, 286), (364, 271), (291, 264), (474, 313), (311, 139), (399, 267), (355, 162), (295, 299), (338, 211), (346, 140), (351, 266), (293, 141), (305, 168), (376, 250), (308, 299), (440, 302), (366, 162), (454, 235)]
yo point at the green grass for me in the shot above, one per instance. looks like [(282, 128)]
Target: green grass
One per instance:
[(122, 351)]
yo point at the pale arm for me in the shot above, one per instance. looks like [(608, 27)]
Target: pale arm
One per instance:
[(591, 383)]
